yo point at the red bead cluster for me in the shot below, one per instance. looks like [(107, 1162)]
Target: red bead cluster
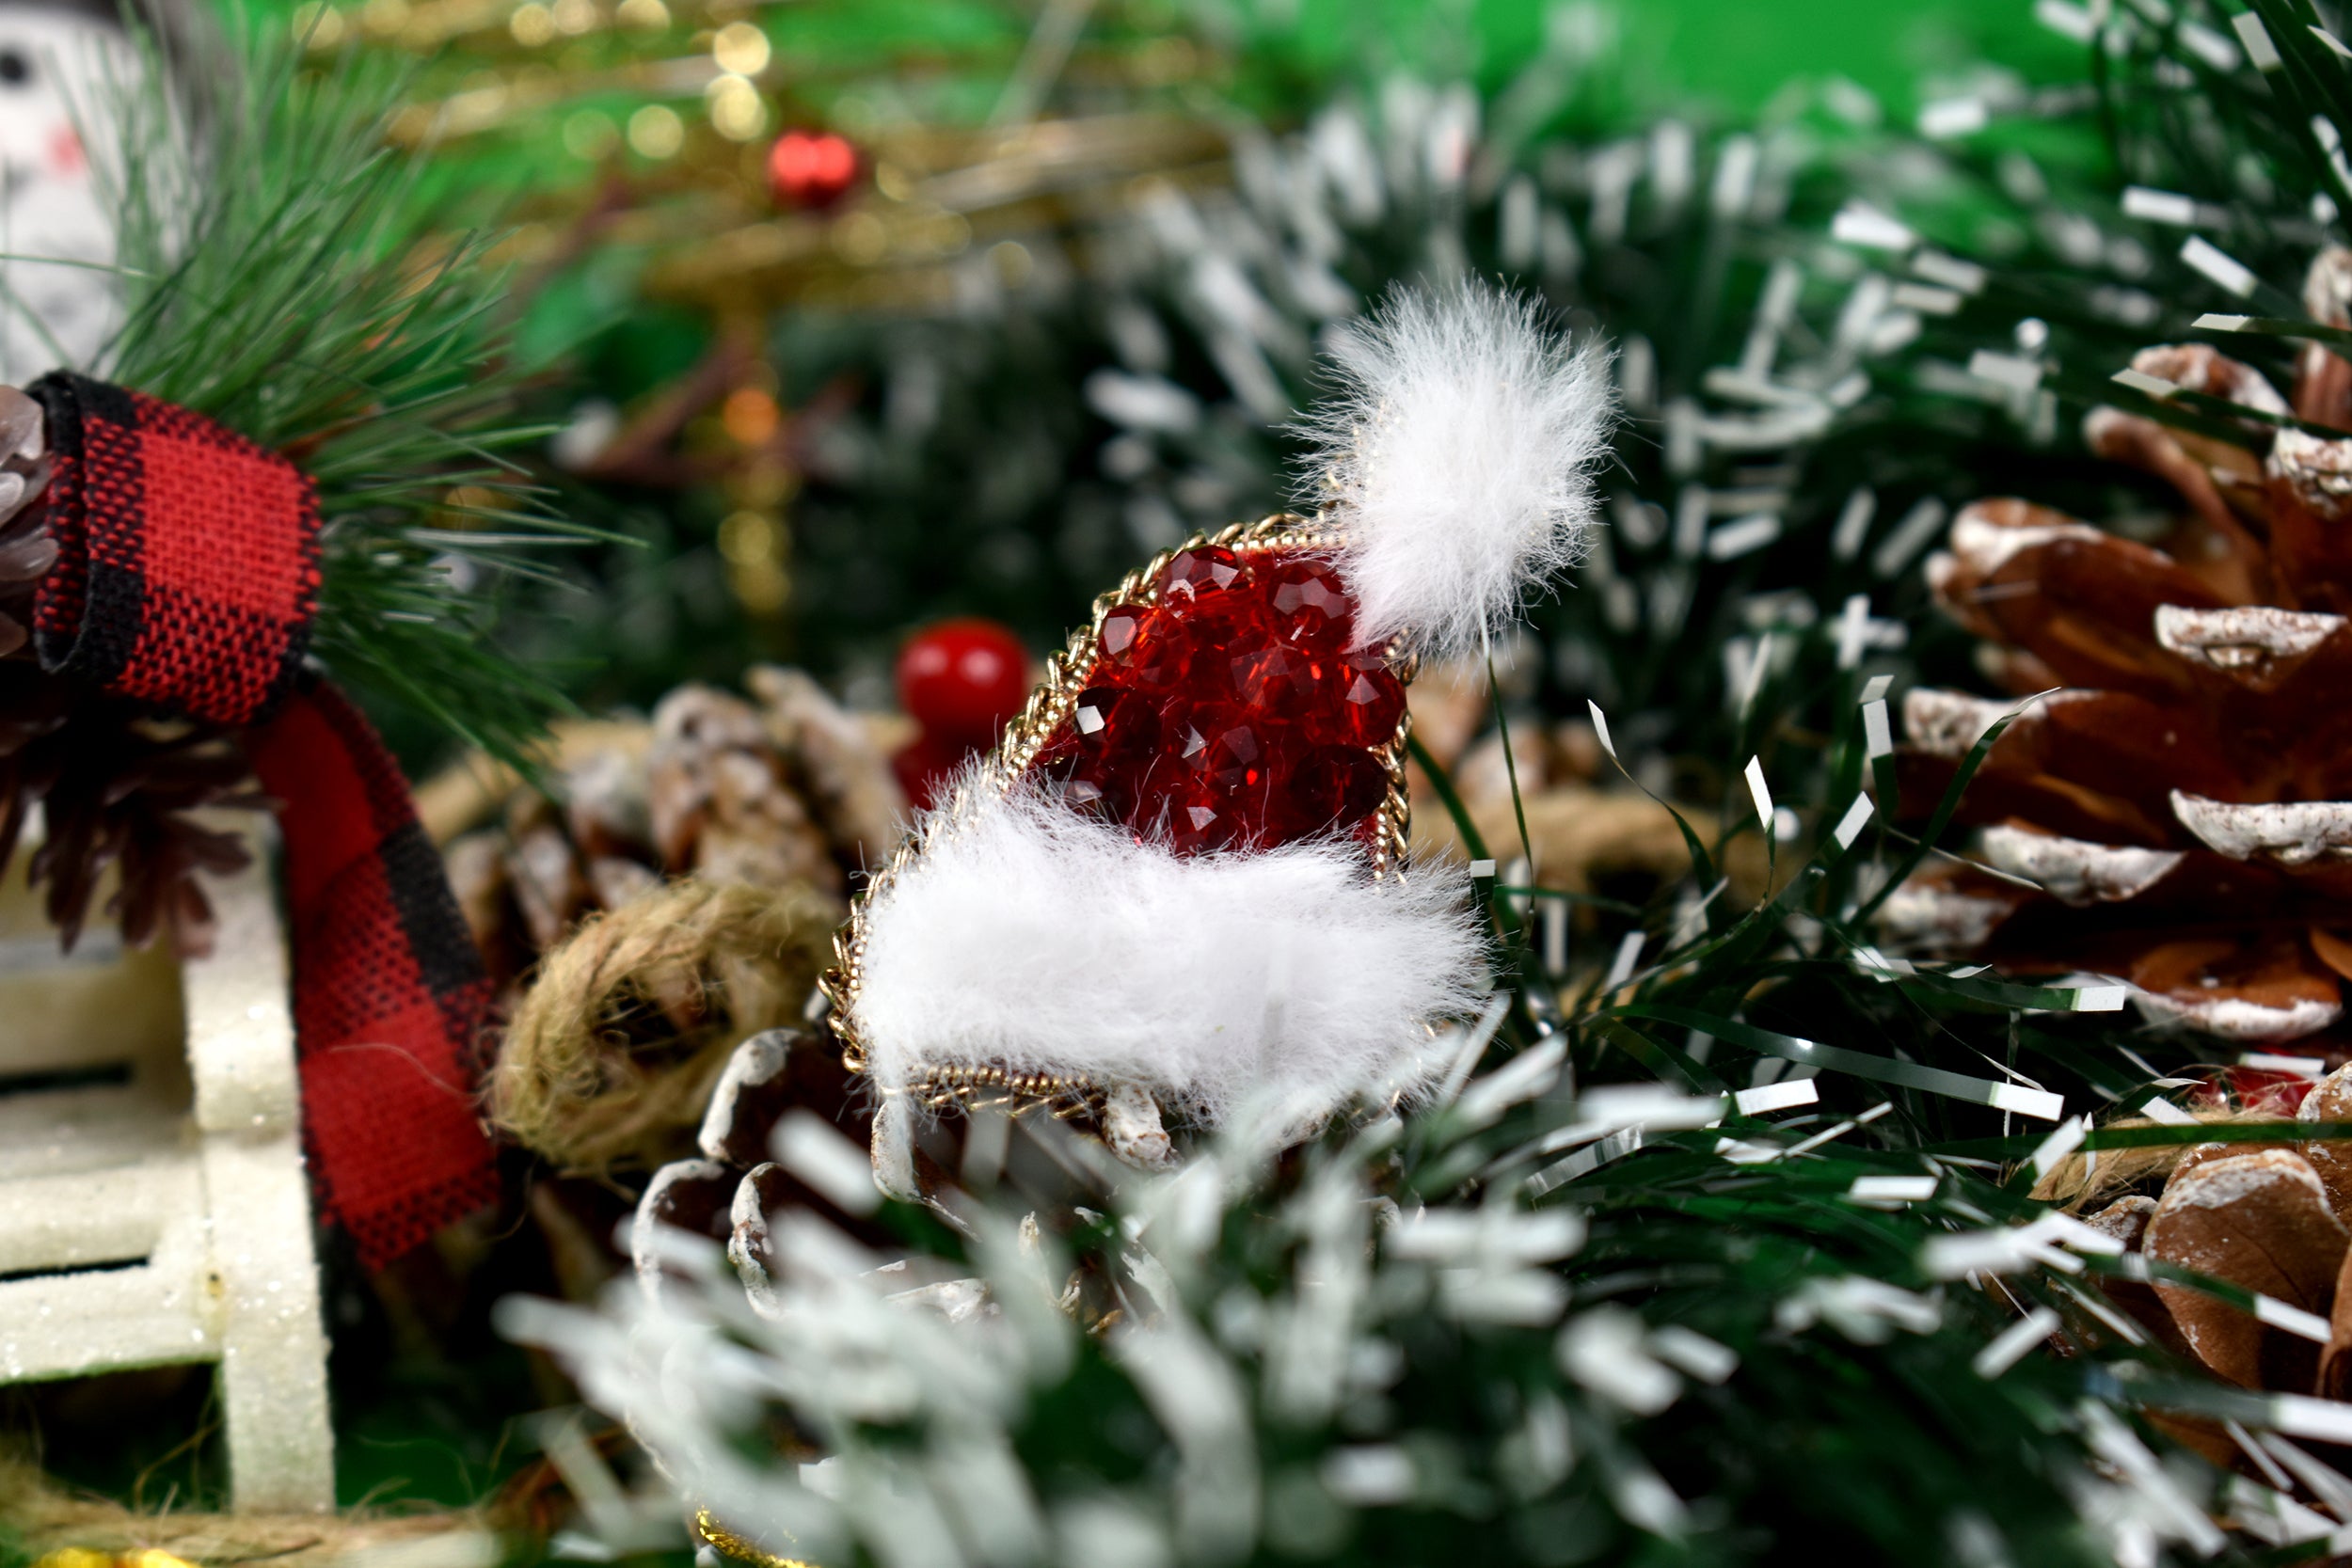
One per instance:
[(1230, 715)]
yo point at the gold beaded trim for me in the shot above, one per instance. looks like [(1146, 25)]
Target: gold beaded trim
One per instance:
[(1066, 673), (727, 1543)]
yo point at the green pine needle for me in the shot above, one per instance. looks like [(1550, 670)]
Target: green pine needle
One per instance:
[(278, 275)]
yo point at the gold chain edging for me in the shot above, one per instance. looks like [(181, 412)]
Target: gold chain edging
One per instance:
[(727, 1543)]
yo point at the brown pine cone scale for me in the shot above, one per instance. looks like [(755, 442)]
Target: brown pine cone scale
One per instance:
[(782, 789), (2271, 1218), (2176, 807)]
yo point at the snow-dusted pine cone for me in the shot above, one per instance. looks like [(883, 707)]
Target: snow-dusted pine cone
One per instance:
[(2274, 1218), (728, 1194), (784, 788), (782, 1156), (116, 785), (2183, 798)]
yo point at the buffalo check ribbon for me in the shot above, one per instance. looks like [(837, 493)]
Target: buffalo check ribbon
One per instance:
[(189, 557), (186, 580)]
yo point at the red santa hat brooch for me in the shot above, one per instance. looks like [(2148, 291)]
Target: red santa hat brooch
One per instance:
[(1180, 885)]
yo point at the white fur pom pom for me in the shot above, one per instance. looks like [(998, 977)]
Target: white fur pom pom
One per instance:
[(1032, 938), (1462, 442)]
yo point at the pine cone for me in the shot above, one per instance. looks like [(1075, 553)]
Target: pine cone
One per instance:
[(738, 1192), (2271, 1218), (26, 551), (117, 790), (117, 787), (2182, 798), (728, 1194), (790, 791)]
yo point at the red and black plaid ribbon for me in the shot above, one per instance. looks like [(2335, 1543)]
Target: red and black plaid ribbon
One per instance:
[(187, 576), (188, 563), (390, 993)]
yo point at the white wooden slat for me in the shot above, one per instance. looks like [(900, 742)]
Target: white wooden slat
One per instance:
[(87, 1129), (241, 1064), (80, 1218), (107, 1320), (161, 1214), (80, 1014), (273, 1368), (273, 1371), (97, 1006)]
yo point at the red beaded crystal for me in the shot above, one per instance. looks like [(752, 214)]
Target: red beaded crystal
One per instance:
[(1332, 783), (1122, 631), (1230, 716), (1312, 609), (1104, 757), (1232, 763), (1294, 685), (1199, 824), (1144, 649), (1371, 701), (1194, 576)]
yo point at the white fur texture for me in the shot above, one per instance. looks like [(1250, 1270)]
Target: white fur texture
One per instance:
[(1029, 936), (1462, 442)]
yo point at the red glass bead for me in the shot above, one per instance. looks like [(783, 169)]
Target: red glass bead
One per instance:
[(1370, 704), (1233, 762), (1198, 823), (1285, 684), (1332, 784), (1144, 648), (962, 679), (1122, 629), (1113, 744), (1310, 606), (1092, 713), (1184, 742), (1200, 574)]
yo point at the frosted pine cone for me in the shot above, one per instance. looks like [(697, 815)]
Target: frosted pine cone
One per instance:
[(786, 789), (114, 784), (2183, 797), (2271, 1217), (779, 1145)]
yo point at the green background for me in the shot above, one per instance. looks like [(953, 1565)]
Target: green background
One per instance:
[(1729, 55), (1740, 53)]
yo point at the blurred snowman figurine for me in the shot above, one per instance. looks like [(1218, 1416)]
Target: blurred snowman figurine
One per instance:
[(59, 61)]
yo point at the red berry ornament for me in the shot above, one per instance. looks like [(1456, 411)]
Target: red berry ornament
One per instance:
[(962, 679), (809, 170)]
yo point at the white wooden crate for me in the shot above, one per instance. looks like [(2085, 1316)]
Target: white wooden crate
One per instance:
[(153, 1206)]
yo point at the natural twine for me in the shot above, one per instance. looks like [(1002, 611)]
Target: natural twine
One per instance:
[(45, 1517), (713, 963)]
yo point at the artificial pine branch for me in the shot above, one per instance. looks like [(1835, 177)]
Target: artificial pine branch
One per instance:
[(1590, 1302), (279, 275), (1870, 1258)]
